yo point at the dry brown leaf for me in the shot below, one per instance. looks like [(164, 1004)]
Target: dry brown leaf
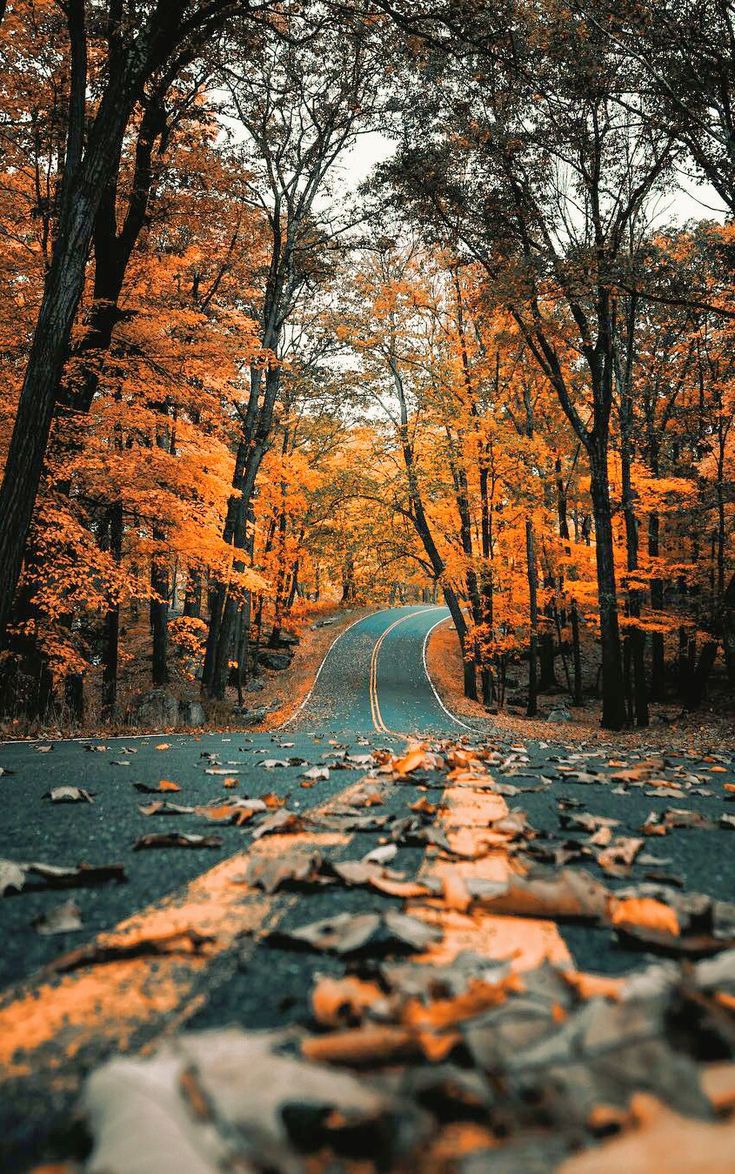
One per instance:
[(645, 912), (162, 807), (338, 1002), (570, 894), (362, 1045), (280, 823), (66, 918), (440, 1014), (274, 801), (370, 799), (423, 806), (619, 856), (165, 785), (176, 840), (593, 986), (69, 795), (410, 761)]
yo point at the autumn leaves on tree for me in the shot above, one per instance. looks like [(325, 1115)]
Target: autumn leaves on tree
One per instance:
[(237, 385)]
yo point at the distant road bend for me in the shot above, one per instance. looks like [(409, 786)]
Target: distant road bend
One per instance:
[(374, 678)]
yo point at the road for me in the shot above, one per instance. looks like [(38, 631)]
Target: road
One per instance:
[(372, 690)]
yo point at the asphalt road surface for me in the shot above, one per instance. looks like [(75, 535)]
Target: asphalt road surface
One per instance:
[(372, 691)]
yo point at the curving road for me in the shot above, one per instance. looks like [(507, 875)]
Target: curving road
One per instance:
[(372, 682), (372, 689), (374, 679)]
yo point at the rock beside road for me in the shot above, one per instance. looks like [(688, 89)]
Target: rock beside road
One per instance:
[(157, 708)]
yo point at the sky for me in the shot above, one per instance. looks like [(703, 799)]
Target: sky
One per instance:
[(692, 201)]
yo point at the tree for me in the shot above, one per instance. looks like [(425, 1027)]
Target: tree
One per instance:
[(137, 50), (300, 111), (528, 160)]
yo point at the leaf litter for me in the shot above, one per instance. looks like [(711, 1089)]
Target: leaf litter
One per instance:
[(467, 1064)]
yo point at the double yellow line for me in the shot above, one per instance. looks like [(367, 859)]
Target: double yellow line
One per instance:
[(377, 716)]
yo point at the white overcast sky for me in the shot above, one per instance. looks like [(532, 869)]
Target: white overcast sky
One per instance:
[(692, 201)]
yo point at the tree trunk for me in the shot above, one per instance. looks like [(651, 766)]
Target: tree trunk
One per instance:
[(578, 694), (532, 707), (64, 283), (613, 698), (159, 615), (251, 450), (111, 635), (460, 624), (658, 666), (193, 595)]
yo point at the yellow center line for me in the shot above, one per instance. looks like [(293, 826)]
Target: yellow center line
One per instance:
[(46, 1020), (468, 811), (377, 716)]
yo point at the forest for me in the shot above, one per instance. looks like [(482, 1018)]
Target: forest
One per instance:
[(311, 304)]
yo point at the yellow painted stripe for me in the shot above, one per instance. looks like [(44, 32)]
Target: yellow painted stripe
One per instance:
[(377, 716), (45, 1022), (467, 815)]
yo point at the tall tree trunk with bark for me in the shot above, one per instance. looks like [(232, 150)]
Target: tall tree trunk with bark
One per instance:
[(613, 692), (532, 707), (111, 634)]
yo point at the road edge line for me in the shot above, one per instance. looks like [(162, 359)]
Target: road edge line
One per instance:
[(448, 712), (306, 700)]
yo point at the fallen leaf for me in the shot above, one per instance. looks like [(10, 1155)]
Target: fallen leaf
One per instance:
[(281, 823), (66, 918), (176, 840), (57, 876), (12, 876), (364, 1045), (163, 807), (383, 854), (69, 795), (409, 762), (316, 774), (619, 856), (337, 1002), (645, 912), (271, 873), (570, 895), (273, 801), (349, 933), (164, 786), (423, 806), (135, 1106)]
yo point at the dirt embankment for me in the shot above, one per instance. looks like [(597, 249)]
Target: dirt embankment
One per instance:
[(290, 686), (669, 729)]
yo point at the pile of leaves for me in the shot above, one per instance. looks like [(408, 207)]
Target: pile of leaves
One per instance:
[(463, 1067)]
